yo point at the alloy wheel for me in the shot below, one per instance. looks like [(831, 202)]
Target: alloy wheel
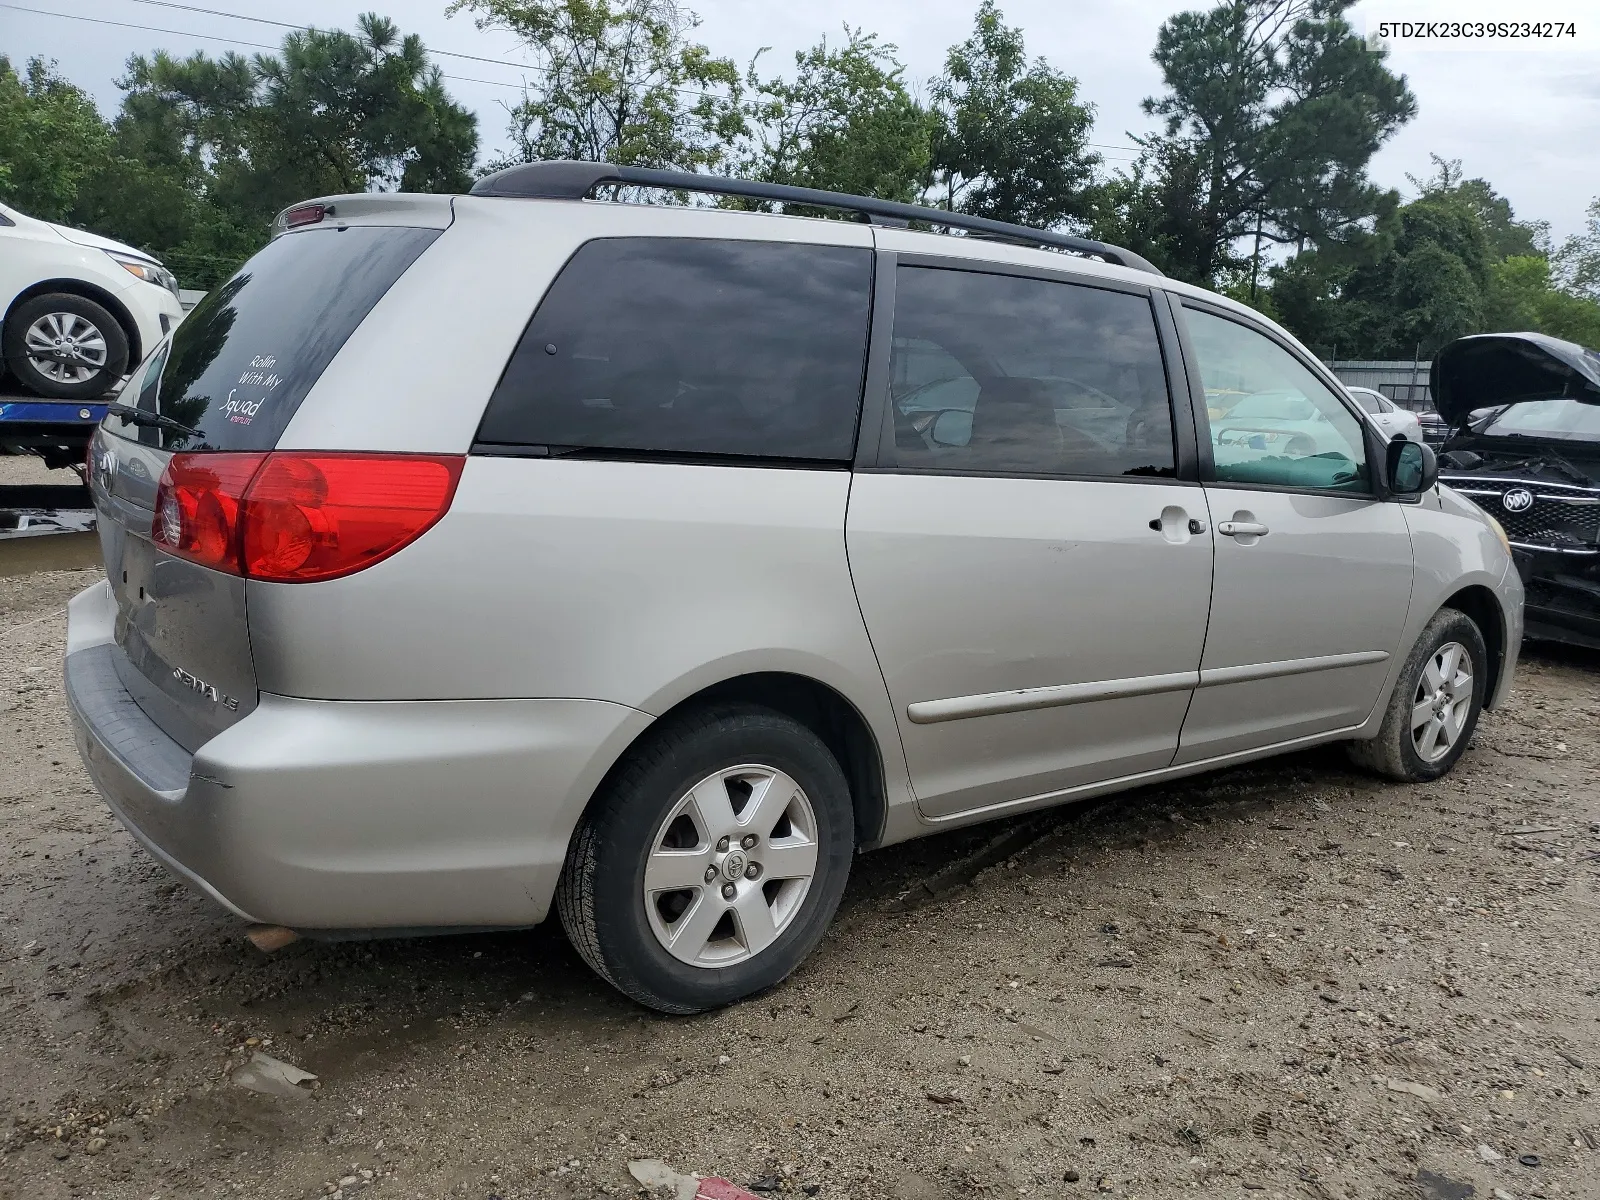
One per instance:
[(730, 866), (1442, 703), (65, 347)]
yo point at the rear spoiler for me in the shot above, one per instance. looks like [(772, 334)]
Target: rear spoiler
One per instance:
[(409, 209), (1490, 370)]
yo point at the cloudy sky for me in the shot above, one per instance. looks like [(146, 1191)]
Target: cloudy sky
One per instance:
[(1528, 120)]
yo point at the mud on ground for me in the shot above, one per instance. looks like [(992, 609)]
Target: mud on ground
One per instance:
[(1289, 980)]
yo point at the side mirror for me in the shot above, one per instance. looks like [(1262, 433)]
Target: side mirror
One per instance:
[(952, 427), (1410, 468)]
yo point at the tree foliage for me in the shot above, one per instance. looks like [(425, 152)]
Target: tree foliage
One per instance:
[(205, 151), (616, 81), (1011, 141), (1272, 112), (1454, 261), (1577, 263), (845, 122), (52, 139)]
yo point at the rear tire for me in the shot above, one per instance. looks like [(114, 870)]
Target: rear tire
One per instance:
[(711, 861), (1435, 705), (39, 330)]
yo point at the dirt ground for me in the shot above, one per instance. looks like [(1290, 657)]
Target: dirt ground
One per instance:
[(1282, 981)]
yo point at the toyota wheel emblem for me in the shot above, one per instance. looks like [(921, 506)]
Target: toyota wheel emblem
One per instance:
[(1517, 499)]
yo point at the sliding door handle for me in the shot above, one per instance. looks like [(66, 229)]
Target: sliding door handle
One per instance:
[(1241, 528)]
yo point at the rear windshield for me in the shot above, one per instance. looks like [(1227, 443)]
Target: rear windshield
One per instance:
[(242, 361), (690, 347)]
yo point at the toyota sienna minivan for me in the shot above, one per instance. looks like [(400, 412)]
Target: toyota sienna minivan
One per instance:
[(472, 554)]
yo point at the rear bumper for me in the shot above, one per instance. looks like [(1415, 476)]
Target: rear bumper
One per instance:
[(332, 815)]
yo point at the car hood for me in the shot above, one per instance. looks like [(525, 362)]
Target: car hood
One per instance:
[(82, 237), (1492, 369)]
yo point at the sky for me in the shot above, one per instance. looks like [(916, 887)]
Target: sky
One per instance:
[(1525, 119)]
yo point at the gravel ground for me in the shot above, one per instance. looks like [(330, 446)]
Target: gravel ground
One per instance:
[(1283, 981)]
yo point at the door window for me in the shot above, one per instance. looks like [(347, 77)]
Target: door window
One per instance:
[(997, 374), (1272, 421), (680, 346)]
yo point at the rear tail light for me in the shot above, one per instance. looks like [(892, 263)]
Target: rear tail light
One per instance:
[(295, 517)]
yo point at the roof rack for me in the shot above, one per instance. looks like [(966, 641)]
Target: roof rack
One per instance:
[(567, 179)]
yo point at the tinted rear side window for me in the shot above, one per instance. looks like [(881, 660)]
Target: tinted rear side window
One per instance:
[(245, 358), (690, 347), (996, 374)]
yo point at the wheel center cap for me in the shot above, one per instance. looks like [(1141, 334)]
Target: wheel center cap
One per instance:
[(733, 866)]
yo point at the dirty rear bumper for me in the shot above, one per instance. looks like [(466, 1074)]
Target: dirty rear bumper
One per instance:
[(349, 815)]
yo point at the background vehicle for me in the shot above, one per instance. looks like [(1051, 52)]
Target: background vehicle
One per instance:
[(1272, 423), (1528, 450), (1386, 414), (79, 312), (671, 609)]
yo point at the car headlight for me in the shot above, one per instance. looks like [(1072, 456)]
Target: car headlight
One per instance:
[(148, 271)]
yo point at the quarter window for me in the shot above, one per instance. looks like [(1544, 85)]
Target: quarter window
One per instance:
[(697, 347), (1272, 421), (1007, 375)]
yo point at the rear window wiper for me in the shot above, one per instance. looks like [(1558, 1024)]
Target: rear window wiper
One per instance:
[(140, 416)]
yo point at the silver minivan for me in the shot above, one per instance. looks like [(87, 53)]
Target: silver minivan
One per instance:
[(468, 554)]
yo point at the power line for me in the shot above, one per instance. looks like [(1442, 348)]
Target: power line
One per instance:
[(263, 45), (497, 62), (225, 40), (216, 12)]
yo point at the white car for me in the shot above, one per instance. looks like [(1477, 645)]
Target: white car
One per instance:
[(1387, 415), (81, 310)]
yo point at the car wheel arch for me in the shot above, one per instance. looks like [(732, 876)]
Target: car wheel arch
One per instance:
[(822, 709), (1479, 603), (89, 291)]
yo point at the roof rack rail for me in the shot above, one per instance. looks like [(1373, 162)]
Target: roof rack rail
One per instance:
[(567, 179)]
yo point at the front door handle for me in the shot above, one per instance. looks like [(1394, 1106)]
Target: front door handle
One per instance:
[(1241, 528)]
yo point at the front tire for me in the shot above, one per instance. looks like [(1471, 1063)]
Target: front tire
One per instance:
[(65, 347), (1435, 705), (711, 861)]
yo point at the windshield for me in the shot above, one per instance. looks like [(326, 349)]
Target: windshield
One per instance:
[(1542, 418)]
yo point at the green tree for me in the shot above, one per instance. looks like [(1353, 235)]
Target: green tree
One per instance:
[(1577, 263), (206, 151), (1272, 112), (1012, 137), (1154, 208), (1454, 261), (51, 139), (846, 122), (618, 81), (363, 111), (1507, 236), (1522, 296)]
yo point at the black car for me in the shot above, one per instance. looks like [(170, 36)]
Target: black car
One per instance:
[(1524, 409)]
